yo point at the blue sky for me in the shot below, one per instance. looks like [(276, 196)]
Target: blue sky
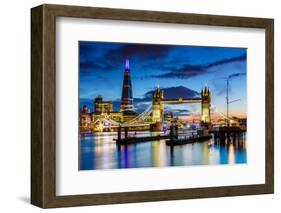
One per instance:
[(174, 68)]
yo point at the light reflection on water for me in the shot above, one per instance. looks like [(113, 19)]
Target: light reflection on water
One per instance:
[(99, 151)]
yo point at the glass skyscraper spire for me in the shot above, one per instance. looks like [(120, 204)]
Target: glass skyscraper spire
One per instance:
[(127, 95)]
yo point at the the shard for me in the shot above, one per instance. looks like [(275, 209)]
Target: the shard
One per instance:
[(127, 95)]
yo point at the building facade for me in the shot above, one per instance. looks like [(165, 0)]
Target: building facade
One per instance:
[(102, 107)]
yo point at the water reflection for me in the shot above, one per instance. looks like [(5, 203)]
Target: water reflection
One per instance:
[(99, 151)]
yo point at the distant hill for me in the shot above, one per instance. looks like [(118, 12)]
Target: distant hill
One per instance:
[(175, 92)]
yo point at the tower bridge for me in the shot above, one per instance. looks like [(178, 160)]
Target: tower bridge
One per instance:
[(182, 100), (158, 102)]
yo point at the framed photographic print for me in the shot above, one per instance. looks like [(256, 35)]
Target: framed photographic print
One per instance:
[(136, 106)]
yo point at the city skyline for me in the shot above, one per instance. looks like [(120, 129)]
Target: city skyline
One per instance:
[(176, 69), (147, 105)]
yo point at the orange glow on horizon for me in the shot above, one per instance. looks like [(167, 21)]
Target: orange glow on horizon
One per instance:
[(215, 117)]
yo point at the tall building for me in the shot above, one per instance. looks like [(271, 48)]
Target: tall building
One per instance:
[(127, 95), (102, 106)]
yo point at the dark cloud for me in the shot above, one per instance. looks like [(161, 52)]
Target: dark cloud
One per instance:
[(188, 70), (236, 75), (242, 57), (86, 47), (169, 93), (91, 65), (175, 92), (142, 51), (91, 61)]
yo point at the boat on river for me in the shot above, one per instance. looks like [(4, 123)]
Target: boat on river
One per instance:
[(188, 140)]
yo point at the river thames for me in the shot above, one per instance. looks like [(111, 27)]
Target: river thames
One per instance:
[(99, 151)]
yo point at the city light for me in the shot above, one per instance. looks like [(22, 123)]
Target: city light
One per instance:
[(127, 120)]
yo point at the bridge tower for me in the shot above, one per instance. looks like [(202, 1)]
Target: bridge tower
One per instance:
[(206, 105), (157, 106)]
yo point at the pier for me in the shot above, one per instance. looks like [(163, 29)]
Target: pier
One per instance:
[(132, 140), (188, 140), (228, 134), (171, 139)]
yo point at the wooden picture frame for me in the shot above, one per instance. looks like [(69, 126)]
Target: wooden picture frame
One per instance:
[(43, 105)]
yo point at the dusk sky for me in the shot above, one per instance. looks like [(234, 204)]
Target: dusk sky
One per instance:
[(179, 70)]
